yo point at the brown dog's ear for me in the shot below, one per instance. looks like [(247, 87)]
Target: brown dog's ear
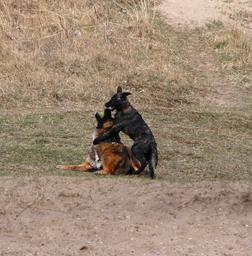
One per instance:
[(107, 114), (98, 118), (119, 89), (125, 94)]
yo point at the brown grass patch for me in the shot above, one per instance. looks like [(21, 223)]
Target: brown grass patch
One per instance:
[(79, 51)]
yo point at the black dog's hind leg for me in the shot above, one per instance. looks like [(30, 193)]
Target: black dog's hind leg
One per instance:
[(145, 158), (148, 161), (138, 152)]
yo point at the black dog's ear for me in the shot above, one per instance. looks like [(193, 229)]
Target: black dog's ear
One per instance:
[(119, 89), (125, 94), (107, 114)]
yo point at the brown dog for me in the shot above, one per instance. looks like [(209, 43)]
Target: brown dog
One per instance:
[(110, 156)]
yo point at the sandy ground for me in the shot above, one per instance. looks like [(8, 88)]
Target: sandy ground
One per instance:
[(196, 13), (122, 216)]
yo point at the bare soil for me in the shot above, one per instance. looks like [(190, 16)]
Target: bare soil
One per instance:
[(195, 13), (104, 216)]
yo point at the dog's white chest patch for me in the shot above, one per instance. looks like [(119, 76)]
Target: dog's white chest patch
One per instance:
[(93, 135), (98, 165), (97, 161)]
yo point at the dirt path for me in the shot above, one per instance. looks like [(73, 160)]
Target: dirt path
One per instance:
[(194, 13), (189, 14), (73, 216)]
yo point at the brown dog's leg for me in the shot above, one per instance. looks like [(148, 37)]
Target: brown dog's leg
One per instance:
[(84, 167), (104, 171), (135, 164)]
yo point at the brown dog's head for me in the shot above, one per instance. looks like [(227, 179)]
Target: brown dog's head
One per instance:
[(104, 120), (118, 101)]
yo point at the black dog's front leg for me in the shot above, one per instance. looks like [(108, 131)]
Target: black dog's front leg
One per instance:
[(110, 133)]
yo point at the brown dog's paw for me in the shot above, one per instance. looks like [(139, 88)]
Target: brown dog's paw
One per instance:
[(98, 172), (61, 167), (101, 172)]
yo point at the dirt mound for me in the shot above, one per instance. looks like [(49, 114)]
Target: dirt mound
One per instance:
[(73, 216)]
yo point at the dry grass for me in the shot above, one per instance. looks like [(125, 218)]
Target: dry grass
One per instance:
[(57, 56), (141, 12), (244, 17), (234, 48), (79, 51), (195, 144)]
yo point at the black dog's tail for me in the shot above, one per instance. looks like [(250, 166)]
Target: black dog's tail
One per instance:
[(153, 161), (154, 154)]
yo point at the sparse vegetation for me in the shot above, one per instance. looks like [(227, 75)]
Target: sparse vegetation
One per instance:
[(78, 51), (60, 60), (233, 48)]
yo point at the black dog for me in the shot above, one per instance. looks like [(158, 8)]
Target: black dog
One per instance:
[(129, 121)]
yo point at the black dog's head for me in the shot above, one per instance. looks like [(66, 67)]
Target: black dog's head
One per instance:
[(104, 119), (118, 101)]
